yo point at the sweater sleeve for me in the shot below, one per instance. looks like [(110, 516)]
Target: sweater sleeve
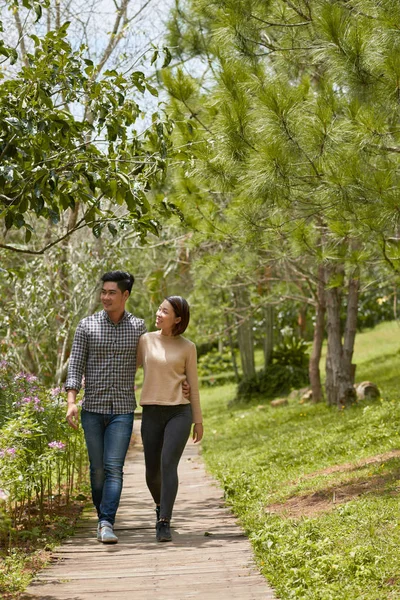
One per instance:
[(192, 378), (139, 353)]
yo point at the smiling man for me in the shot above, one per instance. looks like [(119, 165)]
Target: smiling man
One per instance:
[(104, 351)]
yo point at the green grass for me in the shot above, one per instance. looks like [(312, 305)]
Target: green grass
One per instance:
[(264, 456)]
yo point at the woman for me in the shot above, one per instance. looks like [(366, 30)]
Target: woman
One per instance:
[(168, 359)]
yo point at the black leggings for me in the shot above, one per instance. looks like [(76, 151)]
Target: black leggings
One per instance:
[(165, 431)]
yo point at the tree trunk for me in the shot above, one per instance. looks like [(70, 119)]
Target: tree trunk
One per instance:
[(334, 357), (269, 334), (339, 369), (245, 332), (319, 329), (232, 348), (347, 392)]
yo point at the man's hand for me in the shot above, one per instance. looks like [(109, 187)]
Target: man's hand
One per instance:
[(197, 432), (72, 416), (186, 389), (72, 412)]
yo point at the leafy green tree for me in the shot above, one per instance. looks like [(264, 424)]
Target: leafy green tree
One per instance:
[(68, 138), (292, 123)]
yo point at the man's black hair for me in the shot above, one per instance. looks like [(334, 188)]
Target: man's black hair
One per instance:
[(123, 280)]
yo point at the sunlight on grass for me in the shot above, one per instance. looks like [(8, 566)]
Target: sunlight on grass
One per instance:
[(263, 455)]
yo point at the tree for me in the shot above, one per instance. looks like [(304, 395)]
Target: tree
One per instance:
[(57, 156), (293, 122)]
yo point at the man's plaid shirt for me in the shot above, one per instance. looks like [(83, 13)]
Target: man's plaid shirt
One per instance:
[(105, 353)]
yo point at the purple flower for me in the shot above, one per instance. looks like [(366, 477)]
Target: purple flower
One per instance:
[(3, 495), (56, 445), (37, 405)]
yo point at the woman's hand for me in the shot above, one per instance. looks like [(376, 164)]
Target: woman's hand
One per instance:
[(197, 432)]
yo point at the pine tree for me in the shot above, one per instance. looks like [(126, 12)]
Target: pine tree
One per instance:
[(294, 121)]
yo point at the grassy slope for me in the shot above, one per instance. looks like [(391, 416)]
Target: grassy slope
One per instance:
[(260, 455)]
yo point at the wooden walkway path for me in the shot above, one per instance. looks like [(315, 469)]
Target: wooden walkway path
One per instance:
[(209, 557)]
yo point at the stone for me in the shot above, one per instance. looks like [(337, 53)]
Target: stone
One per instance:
[(297, 394), (367, 391), (279, 402), (306, 397)]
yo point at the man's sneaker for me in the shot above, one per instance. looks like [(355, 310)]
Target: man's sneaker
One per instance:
[(158, 508), (163, 533), (105, 533)]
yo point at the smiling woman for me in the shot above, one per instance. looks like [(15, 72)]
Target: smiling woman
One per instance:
[(168, 360)]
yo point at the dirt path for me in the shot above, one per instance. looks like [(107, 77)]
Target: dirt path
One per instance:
[(209, 557)]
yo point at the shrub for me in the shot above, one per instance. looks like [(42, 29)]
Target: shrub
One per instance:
[(292, 352), (214, 367), (41, 458), (289, 370), (276, 380)]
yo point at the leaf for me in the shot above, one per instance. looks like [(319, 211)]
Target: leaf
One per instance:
[(113, 184), (97, 230), (151, 89), (9, 220), (154, 57), (38, 11), (168, 57), (112, 229), (123, 178), (19, 220), (35, 39)]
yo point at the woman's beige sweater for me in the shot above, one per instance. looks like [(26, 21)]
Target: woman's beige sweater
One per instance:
[(167, 361)]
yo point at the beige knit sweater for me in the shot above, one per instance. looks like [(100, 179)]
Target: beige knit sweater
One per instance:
[(167, 361)]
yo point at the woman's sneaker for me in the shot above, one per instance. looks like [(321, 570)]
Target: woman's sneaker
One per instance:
[(105, 533), (163, 533)]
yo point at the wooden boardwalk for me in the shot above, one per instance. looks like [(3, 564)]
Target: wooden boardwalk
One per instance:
[(209, 557)]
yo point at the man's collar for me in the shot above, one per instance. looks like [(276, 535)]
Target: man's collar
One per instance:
[(124, 317)]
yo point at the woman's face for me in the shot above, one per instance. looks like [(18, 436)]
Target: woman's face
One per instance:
[(166, 318)]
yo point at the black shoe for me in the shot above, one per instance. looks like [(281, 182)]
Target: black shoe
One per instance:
[(157, 513), (163, 533)]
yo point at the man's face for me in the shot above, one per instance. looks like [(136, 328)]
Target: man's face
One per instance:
[(112, 298)]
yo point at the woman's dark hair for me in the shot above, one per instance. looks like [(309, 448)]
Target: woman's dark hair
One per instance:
[(182, 310), (123, 280)]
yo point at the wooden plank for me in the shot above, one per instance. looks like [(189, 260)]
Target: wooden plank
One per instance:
[(209, 558)]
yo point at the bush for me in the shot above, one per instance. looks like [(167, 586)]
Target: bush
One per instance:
[(41, 458), (215, 368), (292, 352), (276, 380), (214, 363), (289, 370)]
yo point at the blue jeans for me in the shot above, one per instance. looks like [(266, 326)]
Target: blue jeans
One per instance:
[(107, 440)]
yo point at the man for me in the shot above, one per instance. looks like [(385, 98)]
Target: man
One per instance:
[(104, 351)]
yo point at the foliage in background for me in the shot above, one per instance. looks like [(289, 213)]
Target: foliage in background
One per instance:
[(69, 138)]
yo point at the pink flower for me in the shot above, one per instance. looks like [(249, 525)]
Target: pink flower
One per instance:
[(56, 445), (3, 495)]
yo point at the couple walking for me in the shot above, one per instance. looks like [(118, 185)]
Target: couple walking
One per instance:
[(108, 347)]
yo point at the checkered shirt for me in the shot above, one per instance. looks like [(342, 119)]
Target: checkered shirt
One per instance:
[(105, 353)]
